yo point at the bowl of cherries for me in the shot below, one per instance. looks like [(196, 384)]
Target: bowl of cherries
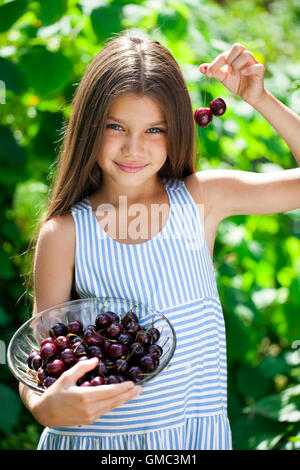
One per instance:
[(132, 342)]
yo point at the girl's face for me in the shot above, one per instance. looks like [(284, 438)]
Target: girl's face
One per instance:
[(135, 134)]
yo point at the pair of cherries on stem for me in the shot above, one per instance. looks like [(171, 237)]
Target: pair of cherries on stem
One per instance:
[(203, 116)]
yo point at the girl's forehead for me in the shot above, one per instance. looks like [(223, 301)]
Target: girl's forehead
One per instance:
[(134, 104)]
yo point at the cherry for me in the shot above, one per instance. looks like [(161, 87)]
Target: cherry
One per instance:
[(91, 337), (137, 349), (103, 320), (125, 338), (55, 368), (30, 358), (101, 369), (62, 342), (37, 362), (217, 106), (49, 381), (148, 363), (143, 337), (156, 349), (135, 373), (114, 330), (59, 329), (85, 384), (96, 381), (115, 318), (154, 332), (48, 351), (117, 350), (75, 327), (41, 376), (47, 340), (95, 351), (203, 116), (121, 366), (68, 356)]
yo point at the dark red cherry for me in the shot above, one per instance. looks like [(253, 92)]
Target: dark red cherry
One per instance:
[(62, 342), (95, 351), (48, 351), (148, 363), (36, 362), (86, 383), (47, 340), (75, 327), (97, 381), (30, 358), (68, 356), (143, 337), (103, 320), (114, 330), (217, 106), (91, 337), (154, 332), (125, 338), (115, 318), (135, 373), (155, 348), (49, 381), (203, 116), (59, 329), (117, 350), (121, 366), (55, 368), (41, 376), (137, 349)]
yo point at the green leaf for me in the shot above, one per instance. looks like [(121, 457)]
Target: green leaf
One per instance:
[(106, 20), (9, 149), (10, 13), (52, 10), (46, 72), (10, 408), (282, 407), (12, 76)]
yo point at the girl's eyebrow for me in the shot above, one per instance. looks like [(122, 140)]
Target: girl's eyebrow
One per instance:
[(151, 124)]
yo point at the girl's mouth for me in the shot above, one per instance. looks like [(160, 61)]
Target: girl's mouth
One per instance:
[(130, 169)]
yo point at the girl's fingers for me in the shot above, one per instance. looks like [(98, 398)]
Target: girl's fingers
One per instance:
[(99, 407), (256, 69), (219, 74), (236, 50), (71, 376), (246, 58)]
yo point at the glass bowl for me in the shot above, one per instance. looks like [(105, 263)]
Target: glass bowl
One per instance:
[(29, 336)]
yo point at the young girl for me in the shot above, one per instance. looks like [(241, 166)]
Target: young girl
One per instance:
[(130, 147)]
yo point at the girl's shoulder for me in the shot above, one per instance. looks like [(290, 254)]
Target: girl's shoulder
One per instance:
[(58, 234)]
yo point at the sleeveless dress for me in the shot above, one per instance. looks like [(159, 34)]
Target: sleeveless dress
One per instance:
[(185, 406)]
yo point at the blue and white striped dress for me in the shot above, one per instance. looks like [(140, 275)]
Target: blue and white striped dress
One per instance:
[(185, 406)]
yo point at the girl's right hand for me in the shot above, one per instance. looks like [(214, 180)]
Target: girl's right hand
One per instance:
[(66, 404)]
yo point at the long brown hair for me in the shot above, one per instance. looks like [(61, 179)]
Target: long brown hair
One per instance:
[(129, 62)]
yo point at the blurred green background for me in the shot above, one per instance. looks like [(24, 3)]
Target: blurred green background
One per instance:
[(45, 47)]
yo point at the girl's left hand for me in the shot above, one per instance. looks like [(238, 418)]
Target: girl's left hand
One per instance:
[(239, 71)]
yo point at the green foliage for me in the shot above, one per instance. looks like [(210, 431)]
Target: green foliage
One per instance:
[(45, 47)]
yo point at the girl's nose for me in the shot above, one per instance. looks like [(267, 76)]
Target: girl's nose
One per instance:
[(133, 145)]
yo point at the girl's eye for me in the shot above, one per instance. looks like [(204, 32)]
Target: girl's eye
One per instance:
[(158, 129), (152, 128)]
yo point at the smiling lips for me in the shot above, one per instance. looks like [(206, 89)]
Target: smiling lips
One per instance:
[(130, 167)]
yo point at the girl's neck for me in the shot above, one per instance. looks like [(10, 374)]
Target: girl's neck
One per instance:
[(110, 192)]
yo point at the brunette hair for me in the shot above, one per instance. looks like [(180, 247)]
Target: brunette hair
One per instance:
[(129, 62)]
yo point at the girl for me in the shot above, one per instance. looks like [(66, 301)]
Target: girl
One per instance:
[(130, 144)]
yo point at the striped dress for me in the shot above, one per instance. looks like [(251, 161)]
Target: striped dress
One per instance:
[(185, 406)]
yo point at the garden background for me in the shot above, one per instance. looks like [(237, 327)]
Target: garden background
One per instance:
[(45, 47)]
